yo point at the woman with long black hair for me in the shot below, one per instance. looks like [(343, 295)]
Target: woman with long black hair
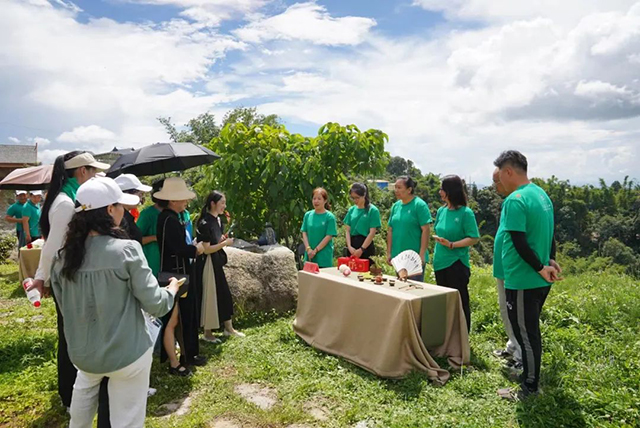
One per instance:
[(217, 303), (455, 231), (101, 280), (69, 172), (361, 224), (175, 256)]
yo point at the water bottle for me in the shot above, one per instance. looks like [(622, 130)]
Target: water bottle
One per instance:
[(33, 295)]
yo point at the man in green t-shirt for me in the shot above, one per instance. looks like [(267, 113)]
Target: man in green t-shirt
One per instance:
[(511, 351), (527, 261), (14, 215), (31, 216)]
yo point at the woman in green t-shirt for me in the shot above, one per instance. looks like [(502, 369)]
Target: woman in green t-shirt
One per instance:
[(455, 231), (318, 229), (360, 224), (409, 224)]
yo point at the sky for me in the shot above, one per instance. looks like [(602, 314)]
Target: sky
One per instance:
[(452, 82)]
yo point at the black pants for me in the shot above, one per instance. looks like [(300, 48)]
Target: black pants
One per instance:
[(356, 242), (457, 276), (67, 373), (524, 307)]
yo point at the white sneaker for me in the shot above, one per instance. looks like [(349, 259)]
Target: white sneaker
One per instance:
[(234, 333)]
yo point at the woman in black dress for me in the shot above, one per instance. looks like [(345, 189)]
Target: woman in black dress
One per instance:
[(175, 256), (210, 234)]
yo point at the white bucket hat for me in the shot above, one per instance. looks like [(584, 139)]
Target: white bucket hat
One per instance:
[(131, 182), (85, 159), (174, 189), (100, 192)]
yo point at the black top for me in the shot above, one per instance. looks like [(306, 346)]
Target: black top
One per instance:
[(526, 252), (209, 230), (129, 225), (175, 255)]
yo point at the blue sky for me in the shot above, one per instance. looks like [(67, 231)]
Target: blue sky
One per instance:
[(452, 82)]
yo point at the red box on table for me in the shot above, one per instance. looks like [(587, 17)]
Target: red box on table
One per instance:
[(354, 263)]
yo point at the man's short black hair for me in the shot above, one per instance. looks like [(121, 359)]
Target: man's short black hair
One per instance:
[(513, 158)]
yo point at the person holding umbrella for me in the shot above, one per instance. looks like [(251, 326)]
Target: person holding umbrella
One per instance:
[(31, 216), (175, 257), (14, 215), (129, 183)]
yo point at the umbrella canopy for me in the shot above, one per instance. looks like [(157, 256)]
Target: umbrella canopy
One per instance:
[(32, 178), (161, 158)]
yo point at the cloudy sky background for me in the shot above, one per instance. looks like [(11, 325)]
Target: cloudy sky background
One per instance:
[(452, 82)]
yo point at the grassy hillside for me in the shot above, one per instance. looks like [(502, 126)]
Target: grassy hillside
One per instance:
[(590, 374)]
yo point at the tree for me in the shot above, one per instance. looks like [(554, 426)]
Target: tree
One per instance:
[(249, 116), (397, 167), (199, 130), (269, 174)]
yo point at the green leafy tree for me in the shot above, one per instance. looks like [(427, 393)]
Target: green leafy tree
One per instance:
[(269, 174)]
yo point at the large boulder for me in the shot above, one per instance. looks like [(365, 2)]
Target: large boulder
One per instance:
[(262, 279)]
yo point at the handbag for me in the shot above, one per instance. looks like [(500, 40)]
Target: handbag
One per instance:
[(165, 276)]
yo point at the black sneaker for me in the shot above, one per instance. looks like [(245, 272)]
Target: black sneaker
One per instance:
[(513, 370)]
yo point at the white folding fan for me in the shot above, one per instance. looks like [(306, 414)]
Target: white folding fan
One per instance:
[(408, 260)]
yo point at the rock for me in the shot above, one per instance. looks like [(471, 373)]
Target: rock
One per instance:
[(177, 407), (317, 410), (261, 396), (262, 281)]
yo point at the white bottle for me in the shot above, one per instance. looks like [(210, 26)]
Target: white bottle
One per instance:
[(33, 295)]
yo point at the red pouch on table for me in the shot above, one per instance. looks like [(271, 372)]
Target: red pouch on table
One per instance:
[(311, 267), (354, 263)]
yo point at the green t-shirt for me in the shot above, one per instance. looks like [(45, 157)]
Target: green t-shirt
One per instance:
[(361, 220), (498, 271), (148, 224), (453, 225), (15, 210), (33, 212), (407, 221), (317, 226), (527, 210)]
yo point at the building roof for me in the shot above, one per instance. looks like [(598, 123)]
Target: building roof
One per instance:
[(16, 154)]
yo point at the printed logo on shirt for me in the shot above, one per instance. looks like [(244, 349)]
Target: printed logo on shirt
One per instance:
[(457, 220)]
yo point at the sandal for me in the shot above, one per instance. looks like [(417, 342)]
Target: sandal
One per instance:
[(179, 371), (213, 340)]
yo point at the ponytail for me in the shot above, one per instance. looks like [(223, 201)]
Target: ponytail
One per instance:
[(213, 197), (361, 190), (59, 176)]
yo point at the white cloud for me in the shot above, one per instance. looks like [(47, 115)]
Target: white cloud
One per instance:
[(308, 22), (86, 134), (47, 157), (14, 140), (41, 141), (210, 13)]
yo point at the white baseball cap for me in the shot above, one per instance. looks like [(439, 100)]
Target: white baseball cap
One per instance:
[(21, 192), (85, 159), (36, 192), (131, 182), (100, 192)]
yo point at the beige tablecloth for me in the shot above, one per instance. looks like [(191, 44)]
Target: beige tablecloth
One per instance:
[(29, 259), (379, 327)]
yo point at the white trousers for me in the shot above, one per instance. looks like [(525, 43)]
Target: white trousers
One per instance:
[(127, 395), (512, 345)]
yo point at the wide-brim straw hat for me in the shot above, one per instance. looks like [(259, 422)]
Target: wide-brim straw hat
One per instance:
[(174, 189)]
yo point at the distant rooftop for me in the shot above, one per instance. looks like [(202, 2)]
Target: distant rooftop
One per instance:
[(18, 154)]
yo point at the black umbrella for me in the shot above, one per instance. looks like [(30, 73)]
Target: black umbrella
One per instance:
[(160, 158)]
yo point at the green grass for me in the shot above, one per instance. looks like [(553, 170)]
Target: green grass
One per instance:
[(590, 374)]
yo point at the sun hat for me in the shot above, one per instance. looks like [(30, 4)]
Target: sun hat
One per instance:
[(85, 159), (131, 182), (36, 192), (21, 192), (174, 189), (99, 192)]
